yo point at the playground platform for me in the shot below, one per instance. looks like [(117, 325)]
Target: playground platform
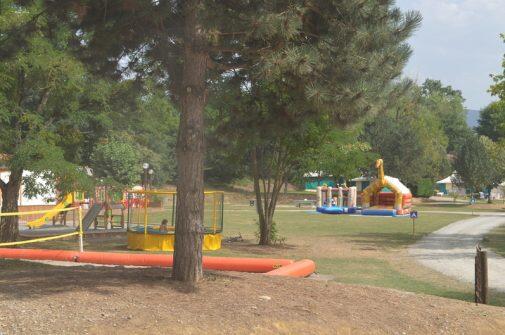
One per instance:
[(49, 230)]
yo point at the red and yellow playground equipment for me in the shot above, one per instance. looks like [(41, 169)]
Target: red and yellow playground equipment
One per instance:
[(67, 201), (151, 220), (268, 266), (398, 201)]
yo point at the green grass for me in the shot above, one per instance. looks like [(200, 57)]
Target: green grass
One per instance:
[(366, 247), (381, 231), (496, 206), (495, 240), (376, 272)]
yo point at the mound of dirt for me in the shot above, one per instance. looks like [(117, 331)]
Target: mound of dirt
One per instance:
[(41, 299)]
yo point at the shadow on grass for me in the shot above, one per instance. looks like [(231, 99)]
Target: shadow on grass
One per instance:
[(383, 240), (436, 243), (375, 272), (495, 240)]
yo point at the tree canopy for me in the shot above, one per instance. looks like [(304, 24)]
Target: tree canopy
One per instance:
[(474, 167), (492, 121), (412, 134), (41, 86), (330, 72), (498, 89)]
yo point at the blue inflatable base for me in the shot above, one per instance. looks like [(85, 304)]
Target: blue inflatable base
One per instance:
[(336, 210), (379, 212)]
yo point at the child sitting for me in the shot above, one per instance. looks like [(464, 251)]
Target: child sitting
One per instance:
[(164, 226)]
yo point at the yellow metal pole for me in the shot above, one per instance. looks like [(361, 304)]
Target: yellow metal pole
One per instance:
[(81, 232), (145, 214), (214, 217)]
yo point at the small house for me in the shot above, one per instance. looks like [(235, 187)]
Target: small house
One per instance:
[(361, 183), (447, 186), (313, 179)]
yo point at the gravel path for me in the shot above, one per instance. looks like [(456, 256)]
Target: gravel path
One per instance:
[(451, 250)]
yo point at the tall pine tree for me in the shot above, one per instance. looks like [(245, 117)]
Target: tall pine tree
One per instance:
[(189, 44)]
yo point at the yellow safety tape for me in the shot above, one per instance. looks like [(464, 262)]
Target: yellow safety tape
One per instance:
[(38, 212), (168, 192), (42, 239)]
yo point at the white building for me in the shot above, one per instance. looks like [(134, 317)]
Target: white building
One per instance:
[(24, 200)]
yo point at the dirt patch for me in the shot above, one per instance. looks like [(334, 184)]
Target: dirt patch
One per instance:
[(89, 300)]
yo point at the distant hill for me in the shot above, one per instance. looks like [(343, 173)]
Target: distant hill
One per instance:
[(472, 116)]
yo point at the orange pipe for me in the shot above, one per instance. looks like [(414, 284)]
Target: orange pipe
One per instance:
[(302, 268), (260, 265)]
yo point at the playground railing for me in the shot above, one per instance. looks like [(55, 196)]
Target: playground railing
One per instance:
[(79, 232), (147, 209)]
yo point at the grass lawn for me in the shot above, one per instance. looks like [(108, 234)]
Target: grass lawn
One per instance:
[(495, 240), (496, 206), (347, 249)]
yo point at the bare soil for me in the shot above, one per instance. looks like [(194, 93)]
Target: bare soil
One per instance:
[(41, 299)]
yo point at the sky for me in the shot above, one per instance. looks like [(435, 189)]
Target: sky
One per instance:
[(458, 43)]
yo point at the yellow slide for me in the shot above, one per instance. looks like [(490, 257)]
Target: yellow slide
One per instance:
[(67, 201)]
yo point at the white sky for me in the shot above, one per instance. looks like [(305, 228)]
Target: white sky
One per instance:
[(459, 44)]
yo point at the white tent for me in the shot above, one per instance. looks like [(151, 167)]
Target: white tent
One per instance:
[(45, 199), (446, 186)]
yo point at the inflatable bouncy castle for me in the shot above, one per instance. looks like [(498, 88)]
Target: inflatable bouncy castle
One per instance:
[(336, 200), (386, 195)]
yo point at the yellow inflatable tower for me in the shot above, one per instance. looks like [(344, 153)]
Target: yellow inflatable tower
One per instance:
[(398, 201)]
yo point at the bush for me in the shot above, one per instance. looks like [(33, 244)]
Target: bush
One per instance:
[(275, 239), (425, 188)]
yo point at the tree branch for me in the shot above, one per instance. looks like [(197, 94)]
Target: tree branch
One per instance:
[(43, 100), (17, 30), (213, 65), (3, 185)]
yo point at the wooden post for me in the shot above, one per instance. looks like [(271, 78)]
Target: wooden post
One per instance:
[(481, 278)]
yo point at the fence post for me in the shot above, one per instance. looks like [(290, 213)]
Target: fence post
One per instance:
[(481, 278), (81, 233)]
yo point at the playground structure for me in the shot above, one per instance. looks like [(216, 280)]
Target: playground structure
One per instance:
[(268, 266), (68, 200), (151, 220), (377, 201), (112, 208), (336, 200), (106, 210)]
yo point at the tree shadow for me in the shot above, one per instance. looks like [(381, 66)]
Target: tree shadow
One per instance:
[(256, 249), (381, 240), (25, 280), (395, 240)]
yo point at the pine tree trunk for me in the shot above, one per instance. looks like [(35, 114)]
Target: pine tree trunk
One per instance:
[(10, 193), (190, 154)]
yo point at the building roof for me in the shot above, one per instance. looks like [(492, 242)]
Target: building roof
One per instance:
[(319, 174), (362, 178), (448, 180)]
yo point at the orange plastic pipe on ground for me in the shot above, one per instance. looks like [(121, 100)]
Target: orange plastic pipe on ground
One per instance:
[(302, 268), (260, 265)]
